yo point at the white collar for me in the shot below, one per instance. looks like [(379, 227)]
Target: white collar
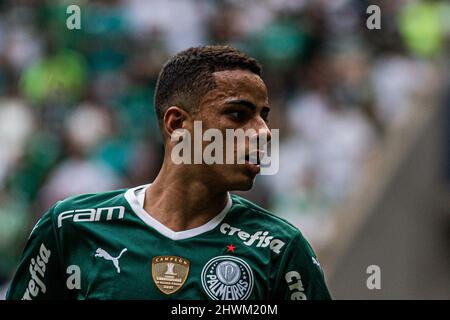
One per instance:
[(135, 197)]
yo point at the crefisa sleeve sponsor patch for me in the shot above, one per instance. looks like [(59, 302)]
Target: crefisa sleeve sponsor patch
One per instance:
[(38, 267)]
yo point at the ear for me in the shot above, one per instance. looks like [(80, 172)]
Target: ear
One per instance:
[(175, 118)]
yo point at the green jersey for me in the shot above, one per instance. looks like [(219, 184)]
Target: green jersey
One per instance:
[(106, 246)]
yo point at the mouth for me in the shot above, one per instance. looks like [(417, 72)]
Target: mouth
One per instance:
[(254, 157), (253, 161)]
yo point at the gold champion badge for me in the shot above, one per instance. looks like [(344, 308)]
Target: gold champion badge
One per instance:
[(169, 273)]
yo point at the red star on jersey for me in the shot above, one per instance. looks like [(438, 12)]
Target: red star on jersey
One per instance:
[(230, 248)]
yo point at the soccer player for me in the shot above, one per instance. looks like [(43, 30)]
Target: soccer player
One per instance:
[(183, 236)]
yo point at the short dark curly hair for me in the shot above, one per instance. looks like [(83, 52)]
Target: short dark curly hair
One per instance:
[(187, 76)]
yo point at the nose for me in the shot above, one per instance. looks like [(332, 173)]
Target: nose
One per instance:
[(263, 131)]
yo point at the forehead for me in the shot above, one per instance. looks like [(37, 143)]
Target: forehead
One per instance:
[(242, 84)]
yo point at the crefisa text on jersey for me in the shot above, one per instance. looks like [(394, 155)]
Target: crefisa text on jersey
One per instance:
[(37, 272), (91, 215), (259, 238)]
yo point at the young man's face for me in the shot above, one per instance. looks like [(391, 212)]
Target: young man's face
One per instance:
[(239, 101)]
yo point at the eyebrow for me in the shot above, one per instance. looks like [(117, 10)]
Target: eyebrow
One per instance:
[(248, 104)]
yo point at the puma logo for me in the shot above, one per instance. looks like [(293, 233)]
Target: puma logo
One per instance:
[(105, 255)]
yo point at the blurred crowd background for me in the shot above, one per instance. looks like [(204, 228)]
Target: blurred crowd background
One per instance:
[(76, 106)]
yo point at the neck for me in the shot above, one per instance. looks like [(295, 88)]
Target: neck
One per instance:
[(180, 200)]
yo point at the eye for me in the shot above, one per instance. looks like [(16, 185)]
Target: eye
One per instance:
[(235, 114), (265, 116), (238, 115)]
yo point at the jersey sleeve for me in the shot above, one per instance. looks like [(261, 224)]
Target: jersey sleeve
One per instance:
[(38, 275), (300, 276)]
